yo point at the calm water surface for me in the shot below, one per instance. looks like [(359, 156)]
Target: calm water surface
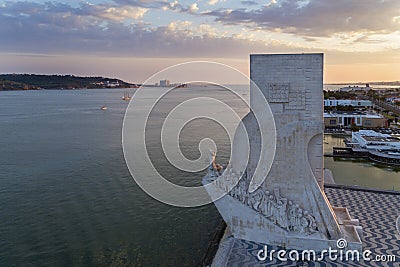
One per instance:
[(67, 197), (360, 172)]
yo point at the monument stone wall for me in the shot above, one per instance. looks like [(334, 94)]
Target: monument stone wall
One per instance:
[(290, 208)]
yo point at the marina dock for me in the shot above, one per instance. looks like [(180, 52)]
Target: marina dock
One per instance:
[(376, 156)]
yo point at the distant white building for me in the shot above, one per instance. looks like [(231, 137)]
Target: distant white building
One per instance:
[(355, 88), (164, 83), (112, 84), (393, 100), (361, 119), (349, 102), (376, 141)]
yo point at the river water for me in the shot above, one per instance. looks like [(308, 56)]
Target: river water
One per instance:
[(67, 197), (359, 172)]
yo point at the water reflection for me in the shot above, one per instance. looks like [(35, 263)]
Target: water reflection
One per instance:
[(359, 172)]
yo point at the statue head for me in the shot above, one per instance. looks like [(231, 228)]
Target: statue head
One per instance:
[(276, 193), (300, 212)]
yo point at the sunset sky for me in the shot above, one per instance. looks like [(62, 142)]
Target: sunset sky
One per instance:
[(132, 39)]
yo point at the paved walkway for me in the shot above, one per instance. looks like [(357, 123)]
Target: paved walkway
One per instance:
[(376, 211)]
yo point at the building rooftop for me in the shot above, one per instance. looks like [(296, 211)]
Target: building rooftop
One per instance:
[(377, 211), (379, 138), (352, 113)]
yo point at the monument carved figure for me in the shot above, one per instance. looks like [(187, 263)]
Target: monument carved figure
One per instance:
[(215, 168), (276, 208)]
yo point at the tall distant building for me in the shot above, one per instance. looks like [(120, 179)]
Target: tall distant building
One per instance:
[(164, 83)]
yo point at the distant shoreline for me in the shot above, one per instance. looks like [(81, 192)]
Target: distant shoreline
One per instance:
[(74, 89), (12, 82), (19, 82), (394, 83)]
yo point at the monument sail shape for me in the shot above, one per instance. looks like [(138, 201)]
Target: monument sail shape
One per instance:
[(290, 208)]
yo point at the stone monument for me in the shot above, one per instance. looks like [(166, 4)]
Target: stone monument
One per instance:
[(290, 208)]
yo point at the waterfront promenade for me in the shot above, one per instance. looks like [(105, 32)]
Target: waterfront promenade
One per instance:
[(377, 211)]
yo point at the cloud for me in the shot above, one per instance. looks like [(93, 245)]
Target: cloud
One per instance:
[(368, 39), (103, 30), (214, 2), (193, 8), (317, 17), (117, 30), (310, 39), (120, 13), (176, 6), (249, 3), (108, 11), (180, 26), (143, 3), (105, 11)]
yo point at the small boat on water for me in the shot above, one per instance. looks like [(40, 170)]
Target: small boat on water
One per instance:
[(126, 97), (103, 108)]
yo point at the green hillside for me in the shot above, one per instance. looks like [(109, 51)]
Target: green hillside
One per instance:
[(34, 81), (11, 85)]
